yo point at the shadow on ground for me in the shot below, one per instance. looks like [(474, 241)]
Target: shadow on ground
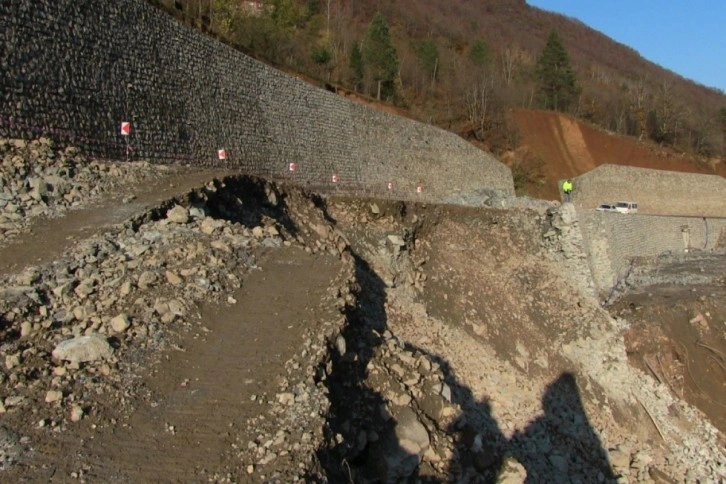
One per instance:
[(363, 442), (246, 200)]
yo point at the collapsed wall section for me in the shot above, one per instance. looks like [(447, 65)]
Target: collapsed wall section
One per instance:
[(612, 240), (656, 191), (75, 70)]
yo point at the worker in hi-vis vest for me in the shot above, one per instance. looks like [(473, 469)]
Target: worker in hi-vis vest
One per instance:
[(567, 188)]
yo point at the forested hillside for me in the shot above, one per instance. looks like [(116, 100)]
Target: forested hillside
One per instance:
[(465, 64)]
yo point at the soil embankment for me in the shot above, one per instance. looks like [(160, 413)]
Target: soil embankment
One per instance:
[(557, 146)]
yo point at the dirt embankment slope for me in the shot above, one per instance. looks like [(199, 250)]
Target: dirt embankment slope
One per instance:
[(557, 146)]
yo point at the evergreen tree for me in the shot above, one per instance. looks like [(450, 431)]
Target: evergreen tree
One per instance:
[(557, 84), (284, 13), (356, 65), (479, 53), (428, 55), (380, 57), (312, 7), (321, 55)]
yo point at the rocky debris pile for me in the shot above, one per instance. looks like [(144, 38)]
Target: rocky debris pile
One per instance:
[(540, 410), (689, 456), (37, 179), (78, 333), (289, 428), (323, 414), (409, 396), (393, 417), (563, 239)]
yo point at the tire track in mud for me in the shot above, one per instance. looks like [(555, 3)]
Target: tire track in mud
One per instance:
[(203, 392)]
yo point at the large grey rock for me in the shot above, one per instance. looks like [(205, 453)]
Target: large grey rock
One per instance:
[(620, 459), (512, 473), (83, 349), (178, 215), (396, 240), (146, 279), (401, 450), (209, 225), (120, 323), (18, 296), (59, 185), (411, 433)]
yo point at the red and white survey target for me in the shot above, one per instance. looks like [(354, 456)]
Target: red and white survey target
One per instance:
[(125, 128), (336, 178), (293, 166), (222, 154), (419, 189), (390, 185)]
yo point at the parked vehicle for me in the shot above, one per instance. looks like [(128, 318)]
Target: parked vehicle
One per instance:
[(626, 207), (606, 207)]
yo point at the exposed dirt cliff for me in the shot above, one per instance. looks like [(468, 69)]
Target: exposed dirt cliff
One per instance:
[(555, 146)]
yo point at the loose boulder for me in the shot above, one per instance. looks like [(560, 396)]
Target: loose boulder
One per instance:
[(178, 215), (83, 349)]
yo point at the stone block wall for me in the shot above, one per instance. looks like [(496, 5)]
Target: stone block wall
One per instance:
[(613, 239), (656, 191), (75, 69)]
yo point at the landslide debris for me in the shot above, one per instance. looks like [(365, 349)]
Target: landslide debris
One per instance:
[(449, 346), (38, 179)]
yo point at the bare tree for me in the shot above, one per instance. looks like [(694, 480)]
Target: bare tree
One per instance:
[(666, 112), (478, 100), (638, 98), (509, 62)]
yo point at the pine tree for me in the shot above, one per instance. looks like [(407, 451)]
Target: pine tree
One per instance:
[(284, 13), (479, 53), (380, 57), (428, 55), (357, 66), (557, 83)]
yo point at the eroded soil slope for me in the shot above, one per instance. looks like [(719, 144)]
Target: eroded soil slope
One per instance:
[(557, 146)]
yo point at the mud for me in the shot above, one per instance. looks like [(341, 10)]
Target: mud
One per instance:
[(678, 335)]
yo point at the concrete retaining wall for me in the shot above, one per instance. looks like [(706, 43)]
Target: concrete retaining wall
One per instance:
[(75, 69), (613, 239), (656, 191)]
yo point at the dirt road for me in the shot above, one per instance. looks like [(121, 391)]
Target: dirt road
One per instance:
[(48, 238), (202, 393)]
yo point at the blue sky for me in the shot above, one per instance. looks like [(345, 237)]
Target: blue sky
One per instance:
[(687, 37)]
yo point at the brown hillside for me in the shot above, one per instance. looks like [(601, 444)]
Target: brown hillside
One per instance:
[(621, 91), (557, 146)]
